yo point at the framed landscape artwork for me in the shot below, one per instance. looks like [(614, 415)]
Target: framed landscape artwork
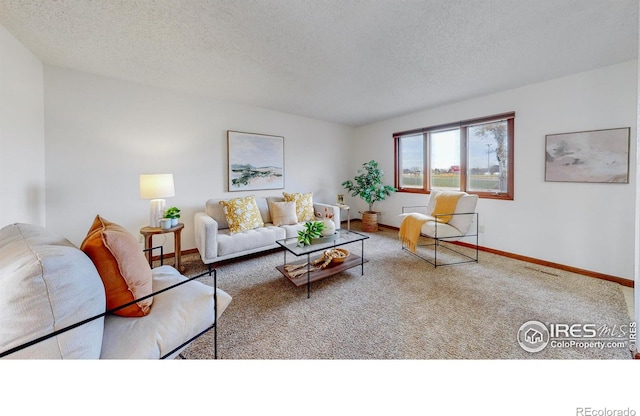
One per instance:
[(597, 156), (255, 161)]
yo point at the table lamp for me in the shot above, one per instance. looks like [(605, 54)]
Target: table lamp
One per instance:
[(156, 187)]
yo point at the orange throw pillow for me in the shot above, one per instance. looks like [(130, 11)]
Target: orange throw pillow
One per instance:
[(122, 265)]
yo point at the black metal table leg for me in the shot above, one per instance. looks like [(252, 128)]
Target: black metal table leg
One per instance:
[(308, 276), (215, 313), (362, 258)]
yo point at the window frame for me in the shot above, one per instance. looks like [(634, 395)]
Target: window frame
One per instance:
[(462, 126)]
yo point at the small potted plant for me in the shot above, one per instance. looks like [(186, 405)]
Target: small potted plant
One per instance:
[(173, 214), (312, 229)]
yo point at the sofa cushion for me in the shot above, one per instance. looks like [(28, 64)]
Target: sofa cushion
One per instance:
[(248, 240), (263, 206), (121, 263), (438, 229), (242, 214), (466, 204), (292, 230), (304, 205), (283, 213), (48, 284), (215, 210), (178, 315)]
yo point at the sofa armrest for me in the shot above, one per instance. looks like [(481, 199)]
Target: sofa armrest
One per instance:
[(320, 207), (206, 234)]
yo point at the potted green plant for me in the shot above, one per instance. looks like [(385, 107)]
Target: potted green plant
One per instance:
[(172, 213), (311, 230), (367, 184)]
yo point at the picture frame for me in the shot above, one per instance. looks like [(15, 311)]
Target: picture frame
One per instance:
[(594, 156), (255, 161)]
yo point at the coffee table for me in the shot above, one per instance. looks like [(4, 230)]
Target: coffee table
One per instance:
[(314, 251)]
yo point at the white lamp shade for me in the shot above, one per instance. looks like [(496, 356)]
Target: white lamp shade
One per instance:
[(157, 186)]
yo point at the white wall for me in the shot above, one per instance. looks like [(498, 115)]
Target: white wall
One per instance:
[(102, 133), (589, 226), (22, 187)]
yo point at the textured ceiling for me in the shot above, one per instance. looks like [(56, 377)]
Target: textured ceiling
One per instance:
[(346, 61)]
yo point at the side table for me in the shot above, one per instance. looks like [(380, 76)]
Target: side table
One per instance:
[(149, 232), (348, 208)]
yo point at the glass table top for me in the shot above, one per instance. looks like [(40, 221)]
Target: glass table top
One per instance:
[(341, 237)]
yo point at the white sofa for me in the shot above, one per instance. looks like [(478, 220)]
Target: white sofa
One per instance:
[(216, 243), (49, 285)]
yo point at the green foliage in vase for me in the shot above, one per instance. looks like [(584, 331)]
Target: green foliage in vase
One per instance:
[(312, 229)]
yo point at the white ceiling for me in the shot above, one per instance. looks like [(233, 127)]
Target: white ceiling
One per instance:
[(345, 61)]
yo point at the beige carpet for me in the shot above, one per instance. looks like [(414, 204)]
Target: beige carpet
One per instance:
[(403, 308)]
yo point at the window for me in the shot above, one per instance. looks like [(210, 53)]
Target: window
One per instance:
[(411, 162), (444, 159), (475, 156)]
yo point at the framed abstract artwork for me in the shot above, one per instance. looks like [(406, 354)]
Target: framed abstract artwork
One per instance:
[(255, 161), (597, 156)]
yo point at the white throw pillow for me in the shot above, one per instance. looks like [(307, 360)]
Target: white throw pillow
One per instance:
[(283, 213)]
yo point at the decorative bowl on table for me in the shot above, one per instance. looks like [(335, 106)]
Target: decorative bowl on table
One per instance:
[(338, 255)]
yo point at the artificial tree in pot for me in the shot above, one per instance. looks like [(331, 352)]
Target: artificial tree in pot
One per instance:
[(367, 184)]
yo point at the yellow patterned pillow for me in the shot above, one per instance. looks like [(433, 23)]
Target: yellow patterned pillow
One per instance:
[(304, 205), (242, 214)]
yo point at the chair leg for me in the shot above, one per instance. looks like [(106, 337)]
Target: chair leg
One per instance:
[(215, 311), (435, 253), (438, 245)]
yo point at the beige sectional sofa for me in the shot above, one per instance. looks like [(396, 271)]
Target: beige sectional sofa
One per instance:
[(215, 242)]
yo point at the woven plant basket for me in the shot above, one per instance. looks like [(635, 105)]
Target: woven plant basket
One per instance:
[(370, 221)]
